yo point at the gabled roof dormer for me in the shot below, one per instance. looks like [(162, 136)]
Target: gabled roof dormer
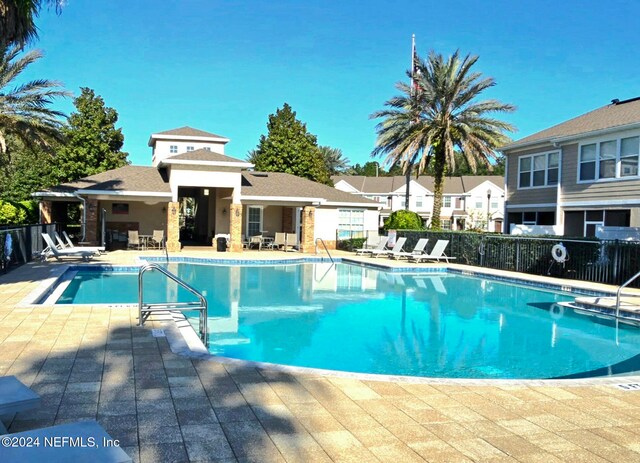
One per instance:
[(182, 140)]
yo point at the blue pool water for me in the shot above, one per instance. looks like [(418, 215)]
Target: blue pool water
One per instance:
[(358, 319)]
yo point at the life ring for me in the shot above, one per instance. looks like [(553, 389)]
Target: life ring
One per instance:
[(556, 311), (559, 253)]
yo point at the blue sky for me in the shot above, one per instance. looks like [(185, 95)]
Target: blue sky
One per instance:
[(225, 66)]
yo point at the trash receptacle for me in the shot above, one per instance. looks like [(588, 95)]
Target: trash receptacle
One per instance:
[(222, 244)]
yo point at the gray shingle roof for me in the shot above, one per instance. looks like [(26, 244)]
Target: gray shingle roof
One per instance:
[(281, 184), (127, 178), (610, 116), (385, 185), (203, 155), (149, 179), (189, 132)]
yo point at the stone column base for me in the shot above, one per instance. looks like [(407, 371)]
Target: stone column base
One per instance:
[(235, 213)]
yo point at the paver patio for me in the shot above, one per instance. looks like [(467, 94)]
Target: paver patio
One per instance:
[(95, 363)]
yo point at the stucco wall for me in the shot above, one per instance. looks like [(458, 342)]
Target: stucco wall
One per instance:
[(149, 217), (161, 149)]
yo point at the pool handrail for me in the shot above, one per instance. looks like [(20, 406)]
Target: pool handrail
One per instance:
[(325, 248), (145, 310)]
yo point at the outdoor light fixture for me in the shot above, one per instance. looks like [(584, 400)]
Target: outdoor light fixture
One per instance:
[(237, 212), (206, 191), (310, 213), (173, 210), (224, 211)]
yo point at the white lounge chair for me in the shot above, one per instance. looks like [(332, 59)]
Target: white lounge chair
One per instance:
[(69, 244), (15, 397), (52, 251), (133, 240), (85, 432), (385, 252), (382, 243), (417, 250), (437, 253)]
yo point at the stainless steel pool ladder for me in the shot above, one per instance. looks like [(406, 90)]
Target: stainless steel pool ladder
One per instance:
[(325, 248), (619, 292), (145, 309)]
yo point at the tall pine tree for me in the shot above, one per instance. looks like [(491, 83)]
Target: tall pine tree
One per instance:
[(92, 142), (288, 147)]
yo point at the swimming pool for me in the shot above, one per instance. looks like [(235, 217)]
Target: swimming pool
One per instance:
[(359, 319)]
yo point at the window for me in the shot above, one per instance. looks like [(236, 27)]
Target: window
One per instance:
[(254, 221), (173, 149), (478, 200), (446, 224), (588, 162), (403, 202), (529, 218), (629, 150), (609, 159), (418, 201), (593, 219), (538, 170), (207, 148), (494, 205), (446, 201), (350, 223), (189, 148)]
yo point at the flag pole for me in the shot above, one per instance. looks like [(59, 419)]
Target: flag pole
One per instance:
[(413, 58)]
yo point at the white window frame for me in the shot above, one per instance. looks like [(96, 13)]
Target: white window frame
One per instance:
[(351, 226), (173, 149), (546, 155), (261, 208), (618, 174), (190, 148), (444, 201), (419, 201)]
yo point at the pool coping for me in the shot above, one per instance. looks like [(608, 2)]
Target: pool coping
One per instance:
[(184, 340)]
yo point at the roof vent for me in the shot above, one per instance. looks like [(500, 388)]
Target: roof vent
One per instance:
[(615, 101), (259, 174)]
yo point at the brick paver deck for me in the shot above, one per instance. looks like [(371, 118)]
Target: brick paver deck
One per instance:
[(96, 363)]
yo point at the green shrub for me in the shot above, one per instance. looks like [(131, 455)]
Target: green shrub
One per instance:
[(10, 214), (351, 244), (403, 220)]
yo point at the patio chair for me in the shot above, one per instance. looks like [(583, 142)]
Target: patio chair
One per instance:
[(382, 243), (385, 252), (69, 244), (417, 250), (81, 432), (437, 253), (157, 239), (278, 241), (15, 397), (52, 250), (256, 240), (134, 240), (290, 242)]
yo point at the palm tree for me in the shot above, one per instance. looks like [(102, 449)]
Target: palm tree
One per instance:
[(427, 124), (334, 159), (25, 111), (17, 24)]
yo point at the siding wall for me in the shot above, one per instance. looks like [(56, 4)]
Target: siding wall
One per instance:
[(529, 195), (596, 191)]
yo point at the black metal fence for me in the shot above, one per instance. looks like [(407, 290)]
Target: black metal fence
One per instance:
[(21, 244), (589, 259)]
